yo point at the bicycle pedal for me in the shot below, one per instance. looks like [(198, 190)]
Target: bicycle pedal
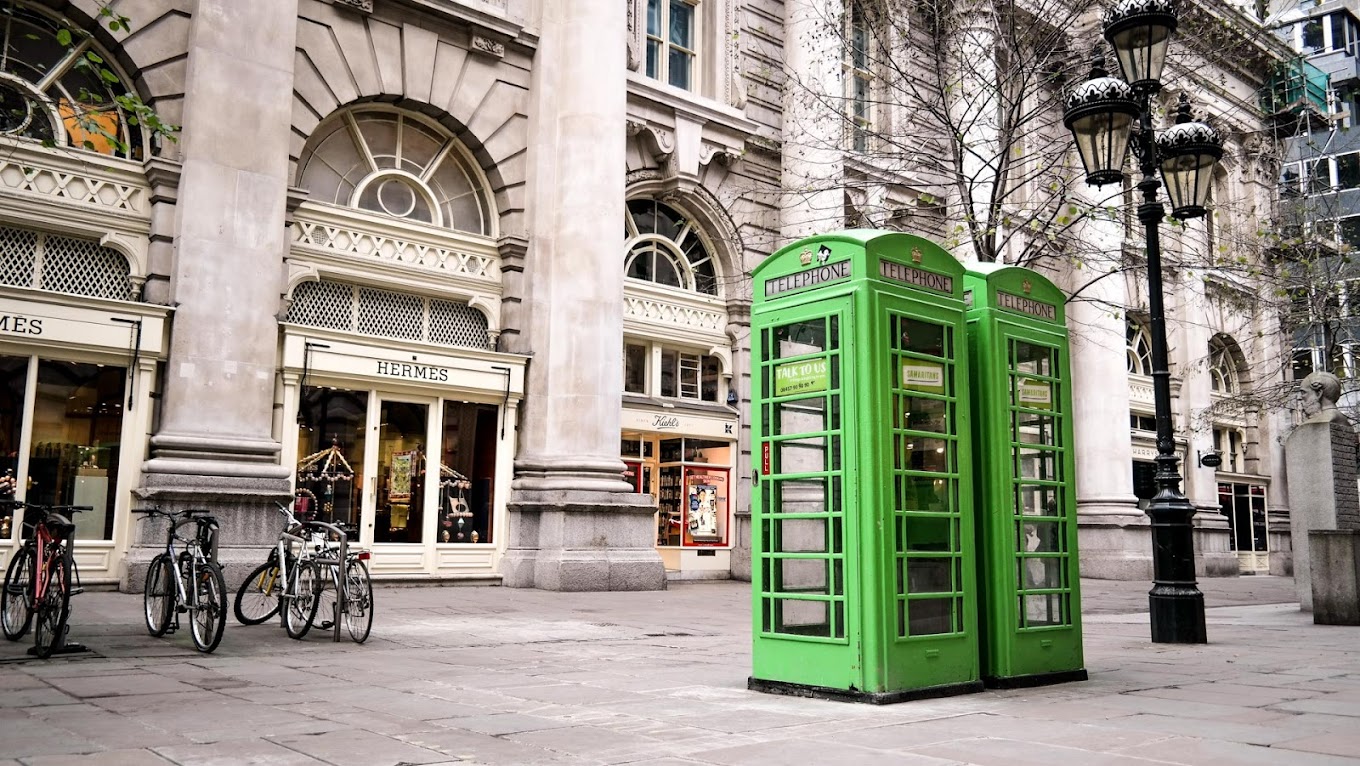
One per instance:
[(326, 625), (77, 591), (181, 609)]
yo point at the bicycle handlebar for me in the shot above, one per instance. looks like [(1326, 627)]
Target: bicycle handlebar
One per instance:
[(48, 508), (155, 511)]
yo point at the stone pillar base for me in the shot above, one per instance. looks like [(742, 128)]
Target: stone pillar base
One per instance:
[(1334, 556), (1214, 556), (1114, 546), (244, 506), (741, 547), (567, 540)]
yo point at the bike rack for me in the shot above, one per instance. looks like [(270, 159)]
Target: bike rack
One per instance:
[(342, 551)]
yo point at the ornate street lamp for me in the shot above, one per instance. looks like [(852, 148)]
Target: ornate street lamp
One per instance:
[(1101, 113)]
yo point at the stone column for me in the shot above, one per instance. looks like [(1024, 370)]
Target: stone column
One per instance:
[(574, 523), (813, 200), (215, 447), (1114, 537), (1321, 462), (1213, 547)]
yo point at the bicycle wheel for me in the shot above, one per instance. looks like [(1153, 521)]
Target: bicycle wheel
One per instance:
[(159, 596), (52, 611), (258, 598), (325, 597), (300, 600), (208, 615), (16, 609), (358, 601)]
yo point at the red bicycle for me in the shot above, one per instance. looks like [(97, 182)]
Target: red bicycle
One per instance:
[(38, 583)]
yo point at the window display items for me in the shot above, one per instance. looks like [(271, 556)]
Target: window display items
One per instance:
[(321, 471), (453, 491)]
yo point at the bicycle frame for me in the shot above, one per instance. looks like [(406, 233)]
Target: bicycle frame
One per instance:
[(46, 550), (198, 557)]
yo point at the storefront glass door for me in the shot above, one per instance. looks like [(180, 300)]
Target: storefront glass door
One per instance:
[(403, 432)]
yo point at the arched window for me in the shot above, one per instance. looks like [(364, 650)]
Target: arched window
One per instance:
[(1223, 377), (1139, 348), (59, 93), (397, 165), (664, 247)]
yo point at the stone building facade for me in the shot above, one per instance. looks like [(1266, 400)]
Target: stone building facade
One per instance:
[(366, 280)]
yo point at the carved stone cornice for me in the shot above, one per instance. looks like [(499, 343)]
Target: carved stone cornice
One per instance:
[(362, 6)]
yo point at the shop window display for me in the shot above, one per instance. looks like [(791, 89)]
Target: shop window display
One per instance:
[(467, 473), (693, 492), (13, 380), (77, 433), (331, 428)]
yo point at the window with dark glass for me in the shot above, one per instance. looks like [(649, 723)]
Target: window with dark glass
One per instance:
[(77, 440), (858, 75), (671, 44), (1313, 40), (635, 368), (1348, 171)]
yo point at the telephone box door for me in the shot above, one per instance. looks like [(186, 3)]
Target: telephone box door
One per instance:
[(919, 458), (806, 626)]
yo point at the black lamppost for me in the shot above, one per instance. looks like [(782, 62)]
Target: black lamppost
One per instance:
[(1106, 115)]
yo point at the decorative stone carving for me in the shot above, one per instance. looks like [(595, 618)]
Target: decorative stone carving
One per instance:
[(1321, 390), (488, 46), (363, 6), (636, 33)]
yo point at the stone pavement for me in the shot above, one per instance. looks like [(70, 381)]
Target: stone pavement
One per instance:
[(494, 675)]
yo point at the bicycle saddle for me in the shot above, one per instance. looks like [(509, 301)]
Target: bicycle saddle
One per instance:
[(59, 526)]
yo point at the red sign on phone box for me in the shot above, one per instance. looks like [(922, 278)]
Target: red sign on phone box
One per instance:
[(765, 459)]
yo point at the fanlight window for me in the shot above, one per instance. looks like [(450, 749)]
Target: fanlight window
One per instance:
[(49, 91), (396, 165), (1222, 369), (664, 247), (1139, 348)]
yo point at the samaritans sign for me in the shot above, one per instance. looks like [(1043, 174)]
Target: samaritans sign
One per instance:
[(801, 377), (1037, 394), (920, 375)]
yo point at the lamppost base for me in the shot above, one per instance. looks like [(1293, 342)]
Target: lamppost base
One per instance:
[(1177, 614)]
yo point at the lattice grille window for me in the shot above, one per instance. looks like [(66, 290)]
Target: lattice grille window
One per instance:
[(63, 265), (386, 314)]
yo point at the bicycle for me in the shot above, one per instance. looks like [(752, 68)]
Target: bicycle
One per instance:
[(38, 580), (259, 596), (198, 590), (326, 558)]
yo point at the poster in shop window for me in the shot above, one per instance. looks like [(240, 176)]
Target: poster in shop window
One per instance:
[(707, 500), (399, 476)]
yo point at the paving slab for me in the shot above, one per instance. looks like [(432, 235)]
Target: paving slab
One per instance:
[(492, 675), (360, 748), (137, 757)]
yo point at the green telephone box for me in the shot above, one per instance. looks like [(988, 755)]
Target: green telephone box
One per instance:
[(1030, 601), (863, 541)]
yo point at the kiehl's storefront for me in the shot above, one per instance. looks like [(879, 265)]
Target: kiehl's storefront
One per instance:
[(77, 375), (412, 443), (684, 459)]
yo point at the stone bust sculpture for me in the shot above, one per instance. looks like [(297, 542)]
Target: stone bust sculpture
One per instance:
[(1320, 392)]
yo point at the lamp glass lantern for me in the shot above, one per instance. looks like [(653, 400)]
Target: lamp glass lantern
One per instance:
[(1140, 32), (1188, 152), (1100, 113)]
